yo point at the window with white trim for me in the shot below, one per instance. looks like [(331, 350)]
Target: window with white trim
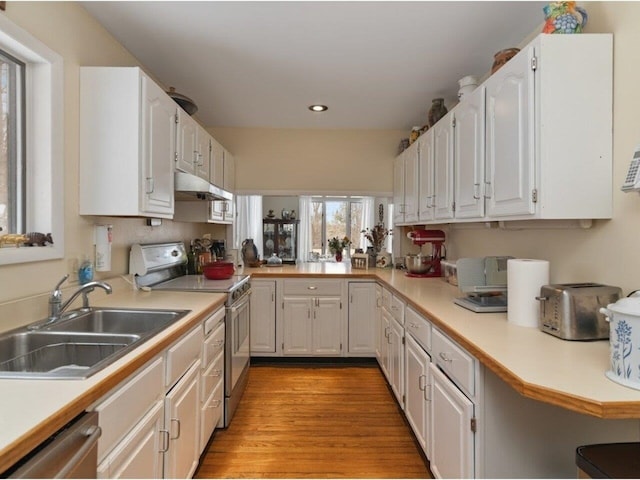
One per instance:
[(31, 163)]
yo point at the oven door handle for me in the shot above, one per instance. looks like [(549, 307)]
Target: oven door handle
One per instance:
[(236, 308)]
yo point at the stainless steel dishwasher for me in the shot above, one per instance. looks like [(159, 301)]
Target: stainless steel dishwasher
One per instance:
[(72, 452)]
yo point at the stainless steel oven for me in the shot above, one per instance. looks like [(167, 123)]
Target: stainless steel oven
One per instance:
[(162, 267)]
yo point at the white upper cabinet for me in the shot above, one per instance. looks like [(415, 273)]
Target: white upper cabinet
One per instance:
[(229, 172), (411, 184), (549, 130), (469, 155), (510, 147), (193, 146), (425, 173), (216, 175), (443, 167), (127, 144), (398, 188)]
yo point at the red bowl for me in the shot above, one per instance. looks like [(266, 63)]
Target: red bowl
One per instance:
[(218, 270)]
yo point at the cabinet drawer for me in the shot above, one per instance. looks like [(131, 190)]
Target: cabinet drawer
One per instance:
[(210, 415), (212, 376), (397, 309), (312, 287), (182, 354), (213, 321), (418, 327), (386, 299), (455, 361), (128, 404), (213, 346)]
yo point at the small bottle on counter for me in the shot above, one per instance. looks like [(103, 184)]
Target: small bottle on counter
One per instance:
[(85, 271)]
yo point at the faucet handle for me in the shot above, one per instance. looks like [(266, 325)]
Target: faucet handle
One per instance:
[(56, 294)]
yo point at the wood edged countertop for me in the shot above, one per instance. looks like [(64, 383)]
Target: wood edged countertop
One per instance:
[(539, 366), (33, 410)]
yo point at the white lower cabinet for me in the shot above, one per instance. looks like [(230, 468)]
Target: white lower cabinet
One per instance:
[(362, 318), (395, 365), (312, 317), (452, 452), (181, 425), (417, 390), (139, 454), (263, 317)]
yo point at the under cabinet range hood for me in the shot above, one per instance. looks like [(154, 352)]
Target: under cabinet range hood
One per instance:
[(191, 187)]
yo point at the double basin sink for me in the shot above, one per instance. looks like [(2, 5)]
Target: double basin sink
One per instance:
[(80, 343)]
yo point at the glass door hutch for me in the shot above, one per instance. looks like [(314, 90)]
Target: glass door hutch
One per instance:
[(280, 237)]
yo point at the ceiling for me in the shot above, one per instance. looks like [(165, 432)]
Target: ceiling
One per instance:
[(377, 65)]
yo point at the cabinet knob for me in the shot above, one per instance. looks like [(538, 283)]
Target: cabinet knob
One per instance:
[(445, 357)]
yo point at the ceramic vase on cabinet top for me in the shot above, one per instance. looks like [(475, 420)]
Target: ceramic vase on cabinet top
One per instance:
[(564, 17), (502, 57), (437, 111)]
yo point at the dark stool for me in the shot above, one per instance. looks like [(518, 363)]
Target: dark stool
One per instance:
[(609, 460)]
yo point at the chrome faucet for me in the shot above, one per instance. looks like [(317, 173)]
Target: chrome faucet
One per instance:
[(57, 308)]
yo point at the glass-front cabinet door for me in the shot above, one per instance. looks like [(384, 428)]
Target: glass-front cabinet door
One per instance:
[(280, 237)]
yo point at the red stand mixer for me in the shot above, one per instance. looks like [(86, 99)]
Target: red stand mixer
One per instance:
[(428, 265)]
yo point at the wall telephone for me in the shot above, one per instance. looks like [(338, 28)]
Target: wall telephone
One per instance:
[(632, 181)]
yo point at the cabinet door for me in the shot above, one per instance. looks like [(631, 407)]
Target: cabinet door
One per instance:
[(187, 143), (229, 172), (416, 394), (398, 189), (297, 325), (510, 145), (158, 149), (469, 155), (216, 169), (411, 184), (425, 169), (182, 421), (263, 317), (139, 454), (380, 338), (452, 450), (443, 167), (203, 153), (362, 318), (396, 360), (327, 326), (385, 331)]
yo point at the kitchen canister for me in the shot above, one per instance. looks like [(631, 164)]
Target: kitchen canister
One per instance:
[(524, 278), (467, 85), (624, 340)]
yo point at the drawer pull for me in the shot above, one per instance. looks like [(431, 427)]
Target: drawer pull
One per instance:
[(215, 404), (426, 392), (216, 373), (445, 357), (218, 343), (422, 382), (312, 287)]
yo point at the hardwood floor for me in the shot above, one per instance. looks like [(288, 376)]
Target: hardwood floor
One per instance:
[(315, 422)]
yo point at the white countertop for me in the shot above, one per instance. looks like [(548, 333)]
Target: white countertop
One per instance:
[(538, 365), (34, 409)]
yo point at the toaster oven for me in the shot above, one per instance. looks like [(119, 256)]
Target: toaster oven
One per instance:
[(571, 311)]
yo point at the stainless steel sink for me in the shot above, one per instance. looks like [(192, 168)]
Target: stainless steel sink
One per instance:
[(107, 320), (79, 344)]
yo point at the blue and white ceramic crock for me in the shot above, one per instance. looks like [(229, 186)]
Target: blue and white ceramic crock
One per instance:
[(624, 341)]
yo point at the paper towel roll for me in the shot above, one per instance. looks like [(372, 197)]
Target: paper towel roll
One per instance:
[(524, 279)]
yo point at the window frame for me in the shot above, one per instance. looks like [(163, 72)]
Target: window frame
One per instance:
[(44, 142), (336, 198)]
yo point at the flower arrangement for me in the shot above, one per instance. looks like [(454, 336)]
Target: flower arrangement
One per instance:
[(376, 236), (338, 244)]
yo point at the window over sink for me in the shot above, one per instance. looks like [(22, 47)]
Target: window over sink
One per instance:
[(31, 172)]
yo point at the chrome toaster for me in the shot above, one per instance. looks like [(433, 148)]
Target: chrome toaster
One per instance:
[(571, 311)]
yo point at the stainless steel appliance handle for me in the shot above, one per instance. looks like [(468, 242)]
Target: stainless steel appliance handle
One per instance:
[(93, 433)]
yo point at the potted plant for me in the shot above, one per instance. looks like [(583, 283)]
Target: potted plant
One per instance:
[(337, 245)]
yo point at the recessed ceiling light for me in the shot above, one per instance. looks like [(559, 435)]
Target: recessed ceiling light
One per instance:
[(318, 108)]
